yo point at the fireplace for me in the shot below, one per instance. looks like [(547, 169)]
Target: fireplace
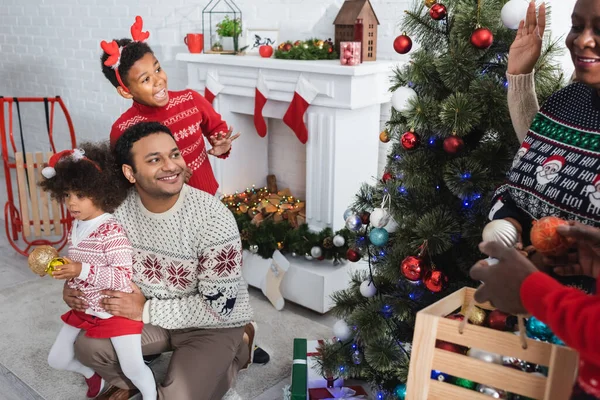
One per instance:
[(341, 153)]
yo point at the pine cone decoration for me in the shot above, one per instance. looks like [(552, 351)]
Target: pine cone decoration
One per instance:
[(328, 243), (244, 235)]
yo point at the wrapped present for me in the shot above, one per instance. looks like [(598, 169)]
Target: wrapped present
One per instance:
[(315, 379), (299, 370), (338, 393)]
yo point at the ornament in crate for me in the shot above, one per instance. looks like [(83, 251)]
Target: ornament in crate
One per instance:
[(482, 368), (350, 53)]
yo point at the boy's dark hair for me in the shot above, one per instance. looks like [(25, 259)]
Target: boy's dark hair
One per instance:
[(131, 52), (104, 188), (131, 135)]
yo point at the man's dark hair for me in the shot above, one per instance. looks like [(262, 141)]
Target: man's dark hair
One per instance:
[(131, 135), (131, 52), (104, 187)]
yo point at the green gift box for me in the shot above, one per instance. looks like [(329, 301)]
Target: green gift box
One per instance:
[(299, 387)]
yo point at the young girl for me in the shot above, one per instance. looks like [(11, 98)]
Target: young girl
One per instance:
[(100, 256)]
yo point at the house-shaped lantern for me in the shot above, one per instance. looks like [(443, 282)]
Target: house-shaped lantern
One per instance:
[(352, 13)]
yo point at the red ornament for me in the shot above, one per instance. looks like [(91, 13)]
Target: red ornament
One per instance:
[(456, 317), (386, 177), (435, 280), (438, 11), (409, 140), (499, 320), (453, 144), (454, 348), (287, 47), (412, 268), (546, 239), (482, 38), (353, 255), (364, 217), (403, 44), (265, 51)]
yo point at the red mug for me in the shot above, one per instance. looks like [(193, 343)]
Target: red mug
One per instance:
[(194, 42)]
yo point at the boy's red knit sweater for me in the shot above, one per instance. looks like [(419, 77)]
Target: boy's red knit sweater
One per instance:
[(190, 117), (573, 316)]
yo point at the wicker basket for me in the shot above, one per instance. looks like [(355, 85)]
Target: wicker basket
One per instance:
[(431, 326)]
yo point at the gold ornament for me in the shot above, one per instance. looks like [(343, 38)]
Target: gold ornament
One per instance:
[(429, 3), (477, 316), (328, 243), (56, 262), (279, 245), (40, 258), (384, 136)]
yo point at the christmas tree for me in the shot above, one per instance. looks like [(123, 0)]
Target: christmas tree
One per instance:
[(453, 143)]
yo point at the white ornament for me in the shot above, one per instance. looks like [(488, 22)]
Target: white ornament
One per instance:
[(401, 97), (501, 231), (341, 330), (308, 257), (367, 289), (316, 252), (513, 13), (392, 226), (379, 218), (339, 241), (485, 356)]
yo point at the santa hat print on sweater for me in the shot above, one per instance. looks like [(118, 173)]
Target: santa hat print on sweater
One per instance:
[(557, 160), (49, 171)]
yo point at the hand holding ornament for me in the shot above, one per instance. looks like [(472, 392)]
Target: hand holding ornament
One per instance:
[(527, 46)]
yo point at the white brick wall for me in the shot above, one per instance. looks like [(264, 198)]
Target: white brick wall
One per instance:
[(51, 47)]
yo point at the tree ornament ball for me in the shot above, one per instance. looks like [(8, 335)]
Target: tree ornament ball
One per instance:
[(348, 213), (412, 268), (402, 97), (498, 320), (402, 44), (308, 257), (453, 144), (316, 252), (379, 237), (357, 357), (455, 317), (485, 356), (546, 239), (400, 391), (492, 392), (501, 231), (430, 3), (409, 140), (341, 330), (365, 217), (477, 315), (386, 177), (384, 136), (40, 258), (438, 11), (439, 376), (536, 329), (482, 38), (253, 248), (367, 289), (380, 218), (435, 280), (454, 348), (353, 255), (339, 241), (467, 384), (354, 223), (513, 13)]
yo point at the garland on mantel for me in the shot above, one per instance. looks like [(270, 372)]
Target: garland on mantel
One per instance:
[(311, 49)]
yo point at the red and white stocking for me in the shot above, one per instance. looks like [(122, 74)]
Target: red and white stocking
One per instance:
[(213, 88), (304, 94), (260, 99)]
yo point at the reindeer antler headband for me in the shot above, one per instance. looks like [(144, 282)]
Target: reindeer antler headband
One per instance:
[(114, 50), (76, 154)]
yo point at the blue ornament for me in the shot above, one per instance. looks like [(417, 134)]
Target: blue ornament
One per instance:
[(347, 213), (439, 376), (556, 340), (379, 237), (387, 311), (400, 391), (353, 223), (536, 329)]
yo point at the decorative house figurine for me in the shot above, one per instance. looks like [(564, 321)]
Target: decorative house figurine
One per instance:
[(354, 16)]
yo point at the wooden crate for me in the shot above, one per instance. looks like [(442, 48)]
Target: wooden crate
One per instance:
[(431, 326)]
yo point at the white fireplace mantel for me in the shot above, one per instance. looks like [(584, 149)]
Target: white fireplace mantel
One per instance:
[(343, 124)]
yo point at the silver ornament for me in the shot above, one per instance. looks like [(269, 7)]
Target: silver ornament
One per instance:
[(379, 218), (339, 241), (485, 356), (308, 257), (357, 357), (348, 213), (353, 223), (316, 252), (513, 13), (253, 248), (392, 226), (367, 289), (341, 330), (492, 392), (294, 254), (402, 97), (501, 231)]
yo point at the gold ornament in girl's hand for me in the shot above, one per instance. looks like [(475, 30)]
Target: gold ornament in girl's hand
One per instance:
[(45, 260)]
